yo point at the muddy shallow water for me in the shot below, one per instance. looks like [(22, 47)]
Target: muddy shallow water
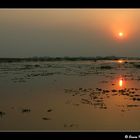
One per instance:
[(70, 95)]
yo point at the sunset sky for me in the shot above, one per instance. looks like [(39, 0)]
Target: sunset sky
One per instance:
[(69, 32)]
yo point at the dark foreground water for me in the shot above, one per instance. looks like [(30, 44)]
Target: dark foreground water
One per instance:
[(81, 95)]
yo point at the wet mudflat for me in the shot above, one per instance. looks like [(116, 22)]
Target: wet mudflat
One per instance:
[(70, 95)]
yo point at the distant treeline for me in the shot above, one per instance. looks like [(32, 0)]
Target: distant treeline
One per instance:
[(66, 59)]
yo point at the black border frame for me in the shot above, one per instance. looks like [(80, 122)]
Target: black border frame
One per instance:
[(72, 135), (69, 4)]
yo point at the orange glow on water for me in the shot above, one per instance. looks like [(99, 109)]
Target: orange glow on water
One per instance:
[(120, 61)]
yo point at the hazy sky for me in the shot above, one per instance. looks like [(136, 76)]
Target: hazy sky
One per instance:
[(69, 32)]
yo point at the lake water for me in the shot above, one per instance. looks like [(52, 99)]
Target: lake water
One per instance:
[(70, 95)]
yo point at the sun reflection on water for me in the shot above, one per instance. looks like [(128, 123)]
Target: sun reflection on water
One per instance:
[(121, 82), (120, 61)]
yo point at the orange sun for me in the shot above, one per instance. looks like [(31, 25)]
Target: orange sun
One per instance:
[(120, 35)]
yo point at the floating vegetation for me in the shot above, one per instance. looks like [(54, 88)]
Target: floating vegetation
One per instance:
[(76, 104), (132, 105), (137, 65), (97, 96), (19, 79), (45, 118), (71, 125), (49, 110), (104, 81), (86, 101), (106, 67), (114, 90), (37, 65), (2, 114), (26, 110), (136, 99)]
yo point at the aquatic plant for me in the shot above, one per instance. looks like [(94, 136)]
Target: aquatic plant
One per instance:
[(2, 113), (26, 110), (105, 67)]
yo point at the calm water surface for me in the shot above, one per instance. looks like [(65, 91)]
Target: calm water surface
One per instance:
[(81, 95)]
